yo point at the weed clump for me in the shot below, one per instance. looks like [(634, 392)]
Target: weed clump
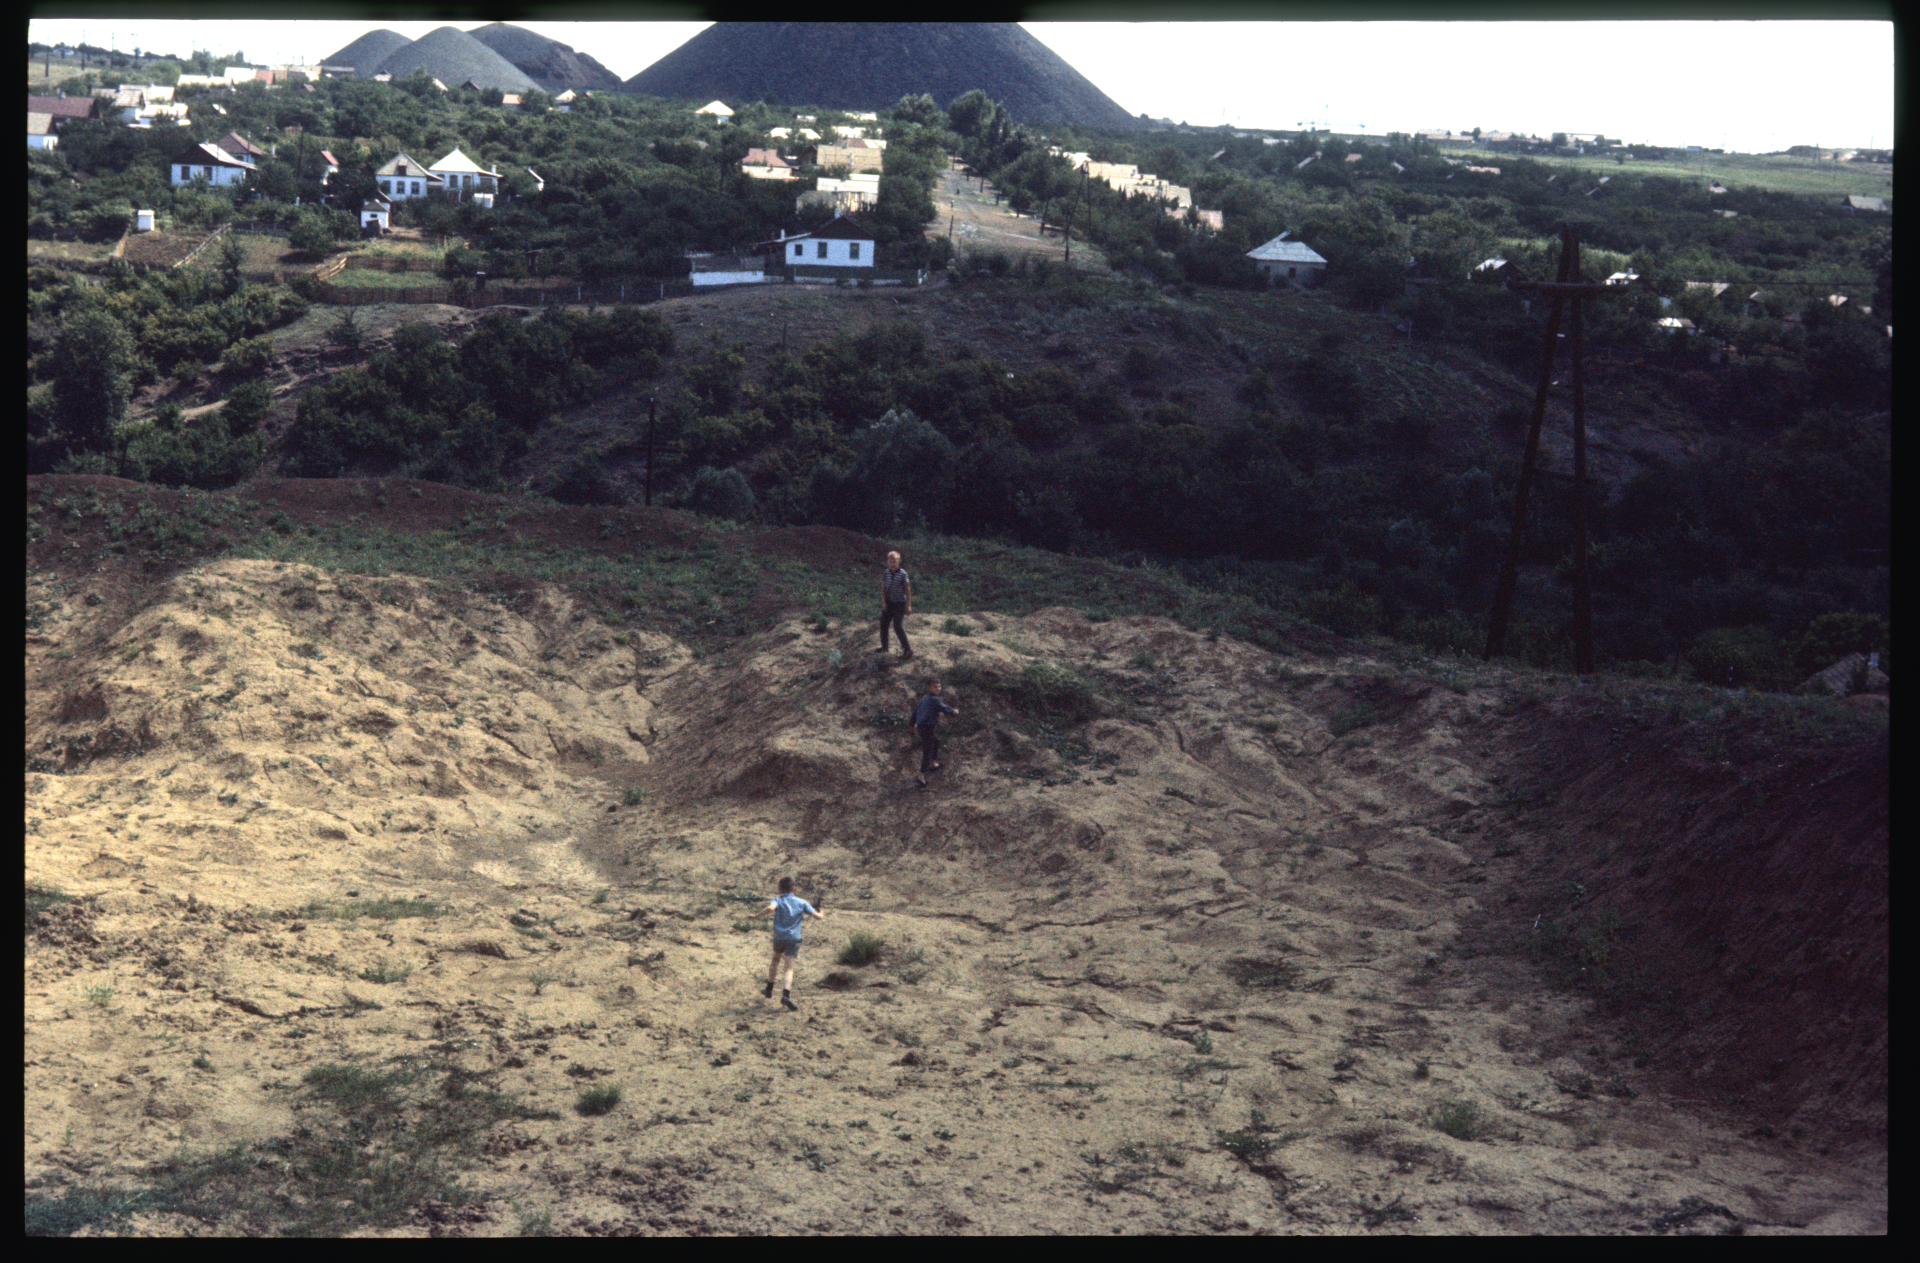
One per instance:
[(1463, 1120), (598, 1100), (862, 949)]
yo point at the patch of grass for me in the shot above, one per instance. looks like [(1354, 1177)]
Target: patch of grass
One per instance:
[(388, 1141), (862, 949), (1263, 971), (1463, 1120), (954, 627), (388, 909), (600, 1100), (385, 972)]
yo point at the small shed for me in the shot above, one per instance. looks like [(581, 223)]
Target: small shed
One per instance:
[(143, 221), (374, 213)]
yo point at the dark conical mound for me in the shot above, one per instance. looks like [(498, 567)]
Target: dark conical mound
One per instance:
[(555, 66), (453, 57), (871, 65), (367, 52)]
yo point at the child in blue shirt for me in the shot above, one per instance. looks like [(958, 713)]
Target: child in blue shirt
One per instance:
[(787, 911)]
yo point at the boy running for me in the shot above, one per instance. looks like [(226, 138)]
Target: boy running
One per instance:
[(787, 911)]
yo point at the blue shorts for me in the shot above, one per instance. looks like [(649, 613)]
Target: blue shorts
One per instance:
[(786, 947)]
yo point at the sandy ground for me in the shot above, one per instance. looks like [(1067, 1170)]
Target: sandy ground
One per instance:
[(1203, 962)]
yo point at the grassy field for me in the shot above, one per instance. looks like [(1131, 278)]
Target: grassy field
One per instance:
[(1776, 173)]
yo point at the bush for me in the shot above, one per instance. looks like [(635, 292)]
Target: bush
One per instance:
[(1831, 637), (722, 493), (248, 356), (598, 1100), (862, 949), (201, 452), (312, 232)]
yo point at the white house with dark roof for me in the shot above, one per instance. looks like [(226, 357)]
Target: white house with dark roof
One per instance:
[(1283, 260), (840, 243), (208, 162)]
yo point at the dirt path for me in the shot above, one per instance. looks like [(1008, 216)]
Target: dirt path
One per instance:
[(969, 211)]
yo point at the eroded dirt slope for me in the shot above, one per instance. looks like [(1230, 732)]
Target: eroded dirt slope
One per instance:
[(1212, 945)]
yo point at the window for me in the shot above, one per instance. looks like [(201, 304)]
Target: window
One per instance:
[(385, 187), (796, 250), (853, 248), (416, 188), (822, 251)]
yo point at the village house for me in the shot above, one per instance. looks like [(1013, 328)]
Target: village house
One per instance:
[(240, 147), (210, 163), (465, 178), (858, 192), (1497, 270), (842, 243), (63, 111), (716, 110), (1212, 220), (1283, 260), (765, 164), (140, 106), (40, 133), (839, 249), (1877, 205), (855, 155), (403, 178)]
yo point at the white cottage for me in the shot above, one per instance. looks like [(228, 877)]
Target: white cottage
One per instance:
[(840, 243), (402, 178), (211, 163), (1283, 260), (464, 177)]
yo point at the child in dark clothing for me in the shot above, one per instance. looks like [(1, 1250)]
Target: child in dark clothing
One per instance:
[(926, 720)]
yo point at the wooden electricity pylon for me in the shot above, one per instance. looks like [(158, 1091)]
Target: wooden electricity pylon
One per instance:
[(671, 449), (1565, 287)]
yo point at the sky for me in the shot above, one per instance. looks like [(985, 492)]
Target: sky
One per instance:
[(1744, 85)]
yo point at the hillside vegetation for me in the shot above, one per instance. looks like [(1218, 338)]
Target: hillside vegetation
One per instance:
[(1347, 455)]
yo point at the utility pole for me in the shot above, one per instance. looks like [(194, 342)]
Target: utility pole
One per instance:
[(1565, 287)]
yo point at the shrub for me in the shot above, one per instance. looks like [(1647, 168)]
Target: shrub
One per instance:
[(722, 493), (598, 1100), (1463, 1120), (248, 356), (862, 949), (202, 452), (247, 407)]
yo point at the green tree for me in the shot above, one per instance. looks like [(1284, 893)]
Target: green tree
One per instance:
[(904, 469), (312, 231), (92, 371)]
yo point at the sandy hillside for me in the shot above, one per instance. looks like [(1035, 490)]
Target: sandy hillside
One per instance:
[(1185, 937)]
